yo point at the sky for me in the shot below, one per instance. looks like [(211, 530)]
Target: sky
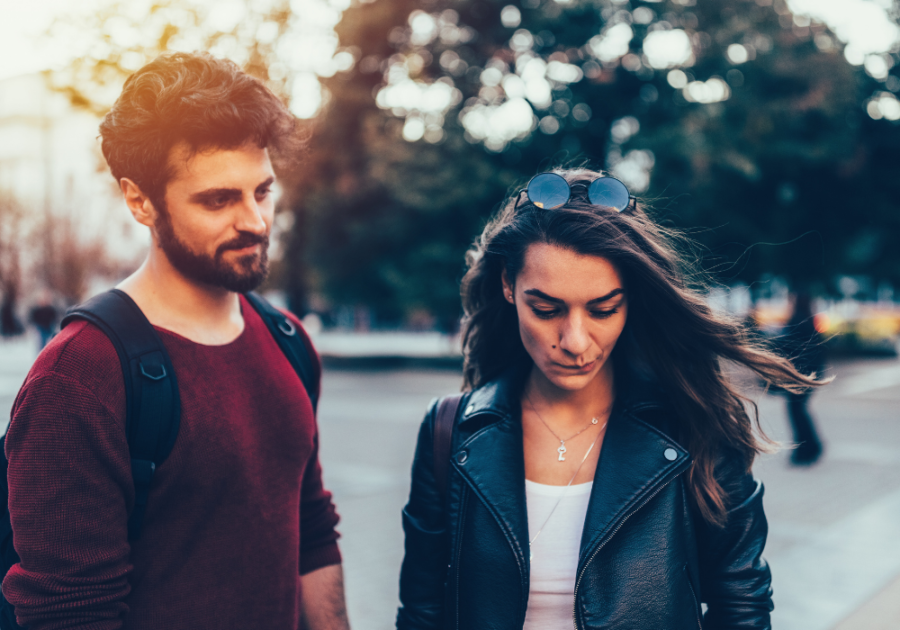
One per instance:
[(862, 24), (22, 24)]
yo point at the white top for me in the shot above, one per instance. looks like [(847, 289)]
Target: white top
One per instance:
[(554, 555)]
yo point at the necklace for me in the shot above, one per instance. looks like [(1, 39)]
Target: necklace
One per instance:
[(561, 496), (562, 442)]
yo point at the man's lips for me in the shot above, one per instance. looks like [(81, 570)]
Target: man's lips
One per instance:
[(243, 250)]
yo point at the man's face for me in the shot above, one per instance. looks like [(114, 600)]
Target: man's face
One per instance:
[(218, 210)]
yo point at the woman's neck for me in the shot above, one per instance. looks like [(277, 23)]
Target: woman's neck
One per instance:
[(571, 407)]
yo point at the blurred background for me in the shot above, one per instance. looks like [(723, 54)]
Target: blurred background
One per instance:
[(766, 129)]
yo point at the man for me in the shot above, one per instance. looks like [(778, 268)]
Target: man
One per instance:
[(238, 531)]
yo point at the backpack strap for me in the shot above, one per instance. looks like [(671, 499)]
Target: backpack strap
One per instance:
[(290, 342), (444, 422), (152, 402)]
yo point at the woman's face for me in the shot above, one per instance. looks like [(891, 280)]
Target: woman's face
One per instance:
[(571, 309)]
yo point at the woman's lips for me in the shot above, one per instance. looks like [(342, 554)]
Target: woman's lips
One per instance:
[(587, 367)]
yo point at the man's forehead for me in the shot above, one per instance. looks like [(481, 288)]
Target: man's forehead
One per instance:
[(220, 163)]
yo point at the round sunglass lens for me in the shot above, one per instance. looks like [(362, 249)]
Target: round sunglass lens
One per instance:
[(609, 192), (548, 190)]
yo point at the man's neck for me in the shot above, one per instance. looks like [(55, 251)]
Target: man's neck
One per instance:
[(204, 314)]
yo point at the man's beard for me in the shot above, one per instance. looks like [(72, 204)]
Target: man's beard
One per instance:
[(245, 274)]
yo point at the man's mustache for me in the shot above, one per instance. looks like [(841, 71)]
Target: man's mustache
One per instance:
[(243, 240)]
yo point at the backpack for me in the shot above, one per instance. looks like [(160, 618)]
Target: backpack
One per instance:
[(152, 402)]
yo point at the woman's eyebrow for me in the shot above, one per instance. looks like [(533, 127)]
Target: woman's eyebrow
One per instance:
[(549, 298)]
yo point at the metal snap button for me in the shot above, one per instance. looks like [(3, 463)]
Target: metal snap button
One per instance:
[(461, 457), (470, 408), (670, 454)]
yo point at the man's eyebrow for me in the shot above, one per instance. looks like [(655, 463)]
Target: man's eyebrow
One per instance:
[(209, 193), (267, 183), (226, 192), (549, 298)]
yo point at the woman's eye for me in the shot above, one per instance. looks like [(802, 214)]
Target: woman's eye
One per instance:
[(604, 314), (544, 314)]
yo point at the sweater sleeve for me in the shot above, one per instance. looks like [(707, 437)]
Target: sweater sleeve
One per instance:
[(318, 517), (70, 491)]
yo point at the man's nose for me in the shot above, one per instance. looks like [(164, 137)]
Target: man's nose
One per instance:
[(252, 217)]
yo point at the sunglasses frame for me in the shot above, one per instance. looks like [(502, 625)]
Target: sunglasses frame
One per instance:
[(632, 201)]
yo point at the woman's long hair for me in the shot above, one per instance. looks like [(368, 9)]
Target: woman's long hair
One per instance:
[(670, 328)]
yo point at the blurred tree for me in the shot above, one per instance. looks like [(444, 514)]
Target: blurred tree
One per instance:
[(12, 219), (264, 37), (733, 115), (71, 259), (740, 121)]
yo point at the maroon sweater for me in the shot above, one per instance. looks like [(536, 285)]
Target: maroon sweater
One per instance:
[(235, 515)]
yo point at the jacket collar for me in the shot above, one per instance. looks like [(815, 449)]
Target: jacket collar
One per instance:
[(638, 391), (636, 461)]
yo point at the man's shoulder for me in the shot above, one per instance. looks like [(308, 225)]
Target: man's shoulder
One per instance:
[(298, 324), (81, 352)]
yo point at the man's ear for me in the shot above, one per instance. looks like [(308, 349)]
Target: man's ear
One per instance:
[(141, 207)]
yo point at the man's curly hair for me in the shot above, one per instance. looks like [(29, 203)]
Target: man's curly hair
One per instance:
[(194, 98)]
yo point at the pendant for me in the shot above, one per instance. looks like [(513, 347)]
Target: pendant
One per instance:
[(562, 451)]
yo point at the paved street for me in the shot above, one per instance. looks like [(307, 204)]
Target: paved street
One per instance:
[(834, 542)]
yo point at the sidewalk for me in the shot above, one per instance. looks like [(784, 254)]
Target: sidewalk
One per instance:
[(834, 539)]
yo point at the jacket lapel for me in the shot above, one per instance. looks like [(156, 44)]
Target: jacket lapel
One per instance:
[(493, 464), (491, 459), (634, 464)]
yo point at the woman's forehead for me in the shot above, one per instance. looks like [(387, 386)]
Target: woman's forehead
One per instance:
[(562, 272)]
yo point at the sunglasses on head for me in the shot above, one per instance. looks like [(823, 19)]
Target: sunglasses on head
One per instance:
[(550, 191)]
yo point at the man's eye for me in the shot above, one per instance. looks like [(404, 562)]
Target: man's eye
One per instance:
[(217, 202), (262, 194)]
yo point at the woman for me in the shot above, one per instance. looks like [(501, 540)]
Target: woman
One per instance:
[(599, 467)]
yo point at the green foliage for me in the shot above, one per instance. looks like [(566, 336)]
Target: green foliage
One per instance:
[(785, 175), (772, 162)]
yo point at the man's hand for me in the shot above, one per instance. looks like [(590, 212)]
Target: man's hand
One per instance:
[(322, 606)]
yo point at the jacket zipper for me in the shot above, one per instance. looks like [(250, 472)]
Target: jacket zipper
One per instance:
[(696, 601), (464, 501), (603, 544)]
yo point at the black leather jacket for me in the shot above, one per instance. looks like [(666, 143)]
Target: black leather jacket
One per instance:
[(647, 558)]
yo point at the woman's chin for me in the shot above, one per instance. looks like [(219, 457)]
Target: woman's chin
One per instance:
[(572, 382)]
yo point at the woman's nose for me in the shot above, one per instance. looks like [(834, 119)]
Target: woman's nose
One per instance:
[(574, 337)]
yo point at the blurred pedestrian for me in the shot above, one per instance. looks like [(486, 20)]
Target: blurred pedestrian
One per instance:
[(44, 317), (600, 455), (802, 344), (10, 325), (213, 514)]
